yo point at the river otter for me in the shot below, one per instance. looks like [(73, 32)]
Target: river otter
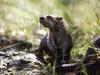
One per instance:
[(57, 43)]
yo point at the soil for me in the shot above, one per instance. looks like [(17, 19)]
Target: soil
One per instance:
[(15, 58)]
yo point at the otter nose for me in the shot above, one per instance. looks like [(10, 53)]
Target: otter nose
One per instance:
[(42, 18)]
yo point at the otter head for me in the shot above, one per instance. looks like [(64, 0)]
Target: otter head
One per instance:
[(53, 23)]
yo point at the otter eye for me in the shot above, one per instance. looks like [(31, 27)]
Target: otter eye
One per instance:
[(49, 17)]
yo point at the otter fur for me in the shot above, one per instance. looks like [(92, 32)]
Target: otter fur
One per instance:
[(57, 43)]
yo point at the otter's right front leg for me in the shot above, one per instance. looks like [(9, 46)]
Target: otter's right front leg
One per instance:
[(40, 56), (41, 49)]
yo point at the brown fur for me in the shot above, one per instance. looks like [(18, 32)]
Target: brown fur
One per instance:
[(57, 43)]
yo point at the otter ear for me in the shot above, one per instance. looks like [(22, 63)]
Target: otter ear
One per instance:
[(59, 18)]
